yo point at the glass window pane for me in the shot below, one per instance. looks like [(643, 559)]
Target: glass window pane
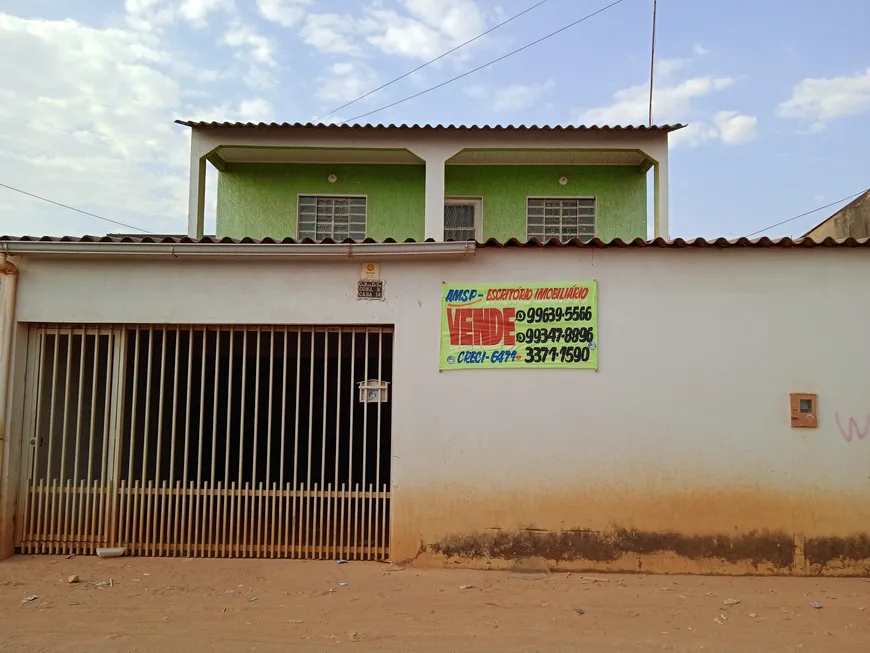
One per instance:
[(331, 217), (560, 217)]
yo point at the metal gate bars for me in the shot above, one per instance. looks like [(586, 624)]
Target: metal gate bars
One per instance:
[(207, 441)]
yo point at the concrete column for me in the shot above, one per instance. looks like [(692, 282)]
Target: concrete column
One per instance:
[(660, 199), (435, 157), (196, 207), (200, 146), (435, 198)]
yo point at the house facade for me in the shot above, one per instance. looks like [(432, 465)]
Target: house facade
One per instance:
[(535, 380), (656, 407), (430, 182)]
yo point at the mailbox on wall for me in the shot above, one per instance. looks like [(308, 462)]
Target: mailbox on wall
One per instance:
[(374, 391)]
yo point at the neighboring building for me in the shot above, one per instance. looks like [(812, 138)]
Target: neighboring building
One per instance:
[(206, 398), (852, 221), (429, 182)]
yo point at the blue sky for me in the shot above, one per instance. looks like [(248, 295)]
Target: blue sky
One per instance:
[(776, 93)]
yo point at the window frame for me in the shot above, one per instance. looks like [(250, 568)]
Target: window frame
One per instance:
[(477, 202), (349, 196), (594, 199)]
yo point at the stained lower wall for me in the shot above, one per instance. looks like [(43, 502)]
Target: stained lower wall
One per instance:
[(676, 455)]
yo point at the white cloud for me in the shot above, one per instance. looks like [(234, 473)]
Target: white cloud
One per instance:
[(149, 14), (196, 12), (457, 20), (251, 43), (93, 124), (676, 102), (348, 80), (88, 123), (735, 128), (332, 33), (250, 110), (700, 50), (418, 29), (729, 127), (693, 135), (396, 34), (513, 97), (667, 67), (821, 100), (630, 106), (284, 12)]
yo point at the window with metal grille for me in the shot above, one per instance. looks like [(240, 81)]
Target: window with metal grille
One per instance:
[(332, 217), (562, 218), (461, 219)]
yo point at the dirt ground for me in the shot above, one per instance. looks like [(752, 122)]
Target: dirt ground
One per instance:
[(152, 604)]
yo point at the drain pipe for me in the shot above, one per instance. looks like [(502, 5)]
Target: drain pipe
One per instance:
[(7, 326)]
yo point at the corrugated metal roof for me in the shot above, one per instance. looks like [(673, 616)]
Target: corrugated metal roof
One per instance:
[(449, 128), (677, 243)]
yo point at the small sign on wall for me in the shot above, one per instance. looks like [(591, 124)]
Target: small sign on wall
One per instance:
[(371, 272), (366, 289)]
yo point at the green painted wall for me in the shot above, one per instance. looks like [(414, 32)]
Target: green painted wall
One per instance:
[(620, 193), (260, 199)]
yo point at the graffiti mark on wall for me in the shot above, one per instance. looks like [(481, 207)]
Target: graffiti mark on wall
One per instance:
[(854, 431)]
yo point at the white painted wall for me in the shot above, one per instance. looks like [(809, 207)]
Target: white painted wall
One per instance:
[(685, 426)]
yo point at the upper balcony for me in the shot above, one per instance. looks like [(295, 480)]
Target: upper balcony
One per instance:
[(443, 183)]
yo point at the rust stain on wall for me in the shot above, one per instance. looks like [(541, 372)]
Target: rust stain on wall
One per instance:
[(727, 530), (838, 553), (775, 549)]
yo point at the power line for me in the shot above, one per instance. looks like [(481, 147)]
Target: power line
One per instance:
[(494, 61), (439, 57), (72, 208), (842, 199)]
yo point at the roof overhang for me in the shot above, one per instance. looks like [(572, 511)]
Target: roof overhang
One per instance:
[(265, 154), (549, 156), (225, 155), (184, 247)]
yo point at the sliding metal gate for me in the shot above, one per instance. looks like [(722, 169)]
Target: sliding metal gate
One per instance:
[(207, 441)]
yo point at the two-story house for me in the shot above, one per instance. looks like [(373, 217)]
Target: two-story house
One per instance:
[(430, 182), (275, 393)]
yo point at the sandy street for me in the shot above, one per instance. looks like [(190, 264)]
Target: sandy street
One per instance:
[(152, 604)]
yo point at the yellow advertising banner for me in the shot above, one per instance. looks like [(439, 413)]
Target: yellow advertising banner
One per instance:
[(528, 326)]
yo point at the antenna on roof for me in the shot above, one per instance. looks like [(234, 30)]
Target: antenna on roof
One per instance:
[(652, 60)]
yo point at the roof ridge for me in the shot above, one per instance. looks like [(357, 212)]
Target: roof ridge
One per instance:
[(425, 127)]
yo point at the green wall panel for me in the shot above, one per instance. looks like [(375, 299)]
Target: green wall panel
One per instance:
[(620, 193), (260, 199)]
